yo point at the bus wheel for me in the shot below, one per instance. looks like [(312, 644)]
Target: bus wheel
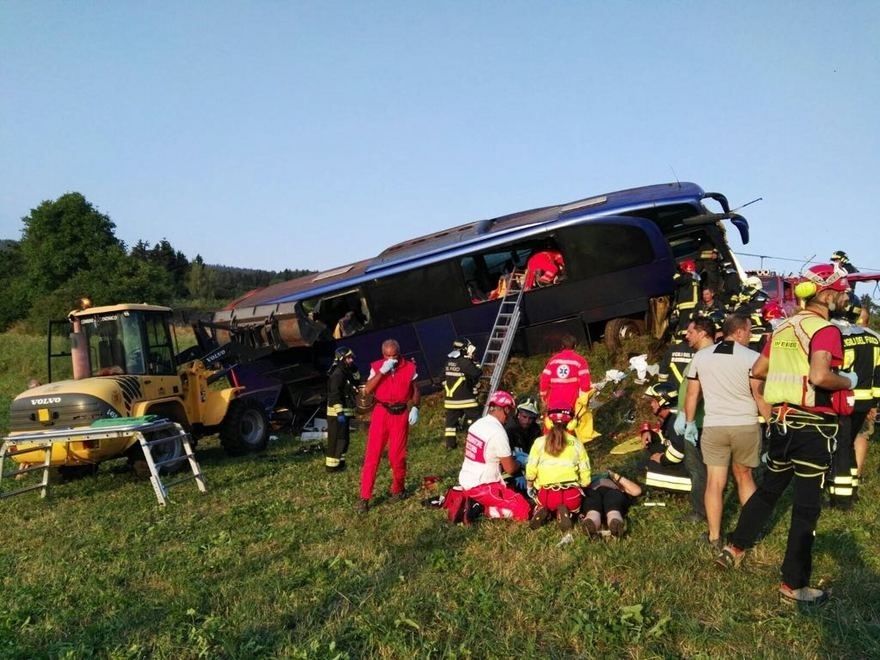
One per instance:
[(245, 428), (617, 330)]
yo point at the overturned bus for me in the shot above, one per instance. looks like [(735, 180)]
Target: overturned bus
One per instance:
[(619, 250)]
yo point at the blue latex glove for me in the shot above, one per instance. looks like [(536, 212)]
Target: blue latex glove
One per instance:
[(679, 423), (387, 366), (413, 415), (853, 379), (341, 418), (521, 457), (520, 482), (691, 434)]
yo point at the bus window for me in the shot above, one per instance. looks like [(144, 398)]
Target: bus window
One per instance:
[(416, 294), (340, 314), (484, 273), (596, 249)]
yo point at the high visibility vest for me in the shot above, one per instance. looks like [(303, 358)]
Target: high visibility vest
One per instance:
[(788, 374)]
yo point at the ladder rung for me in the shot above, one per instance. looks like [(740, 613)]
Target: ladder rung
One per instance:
[(21, 490), (159, 441), (187, 477), (33, 468), (171, 461)]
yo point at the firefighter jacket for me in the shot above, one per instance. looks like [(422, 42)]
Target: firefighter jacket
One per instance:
[(522, 438), (462, 378), (861, 354), (675, 361), (789, 363), (673, 443), (565, 376), (687, 291), (342, 385), (571, 467)]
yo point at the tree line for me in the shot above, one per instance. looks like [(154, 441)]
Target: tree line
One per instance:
[(69, 250)]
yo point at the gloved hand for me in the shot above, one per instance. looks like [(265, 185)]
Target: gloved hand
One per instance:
[(853, 378), (413, 415), (691, 434), (520, 482), (531, 492), (521, 457), (679, 423), (387, 366), (341, 418)]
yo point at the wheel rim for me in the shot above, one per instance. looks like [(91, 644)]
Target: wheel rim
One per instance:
[(252, 428)]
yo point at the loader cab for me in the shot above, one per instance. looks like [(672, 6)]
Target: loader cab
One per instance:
[(134, 340)]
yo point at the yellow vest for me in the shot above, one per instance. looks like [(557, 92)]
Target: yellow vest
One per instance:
[(571, 466), (789, 369)]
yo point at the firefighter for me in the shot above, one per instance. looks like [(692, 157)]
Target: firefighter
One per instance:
[(840, 258), (565, 376), (861, 354), (807, 391), (709, 267), (750, 302), (392, 382), (665, 467), (675, 361), (687, 295), (462, 378), (523, 429), (342, 384)]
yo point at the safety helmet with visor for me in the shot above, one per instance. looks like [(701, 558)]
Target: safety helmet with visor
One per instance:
[(527, 406)]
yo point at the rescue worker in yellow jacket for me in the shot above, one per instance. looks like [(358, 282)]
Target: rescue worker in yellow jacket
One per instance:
[(807, 391), (460, 386)]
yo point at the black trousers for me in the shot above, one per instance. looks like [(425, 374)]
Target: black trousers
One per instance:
[(453, 419), (803, 456), (843, 464), (693, 461), (338, 436), (604, 499)]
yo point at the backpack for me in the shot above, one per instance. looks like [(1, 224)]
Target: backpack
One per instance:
[(460, 509)]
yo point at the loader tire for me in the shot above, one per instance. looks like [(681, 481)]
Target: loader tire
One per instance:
[(616, 330), (245, 429), (162, 452)]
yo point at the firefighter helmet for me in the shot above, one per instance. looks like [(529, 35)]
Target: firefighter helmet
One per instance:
[(666, 394), (465, 346), (820, 277), (502, 399), (528, 406), (561, 416), (840, 257), (688, 266), (772, 310), (753, 282), (341, 353)]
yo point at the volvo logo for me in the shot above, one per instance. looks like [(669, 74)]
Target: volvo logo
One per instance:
[(46, 401)]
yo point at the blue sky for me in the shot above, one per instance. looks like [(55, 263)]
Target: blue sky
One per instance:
[(306, 135)]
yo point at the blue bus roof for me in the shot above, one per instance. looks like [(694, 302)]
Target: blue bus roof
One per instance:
[(447, 243)]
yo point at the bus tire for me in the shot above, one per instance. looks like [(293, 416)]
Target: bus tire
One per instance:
[(245, 429), (617, 330)]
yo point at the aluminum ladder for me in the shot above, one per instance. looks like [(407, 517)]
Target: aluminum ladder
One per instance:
[(503, 332), (43, 441)]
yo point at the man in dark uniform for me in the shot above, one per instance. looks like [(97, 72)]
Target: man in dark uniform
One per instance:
[(665, 467), (687, 294), (462, 377), (342, 384)]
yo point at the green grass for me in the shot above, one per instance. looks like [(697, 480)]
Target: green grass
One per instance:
[(273, 562)]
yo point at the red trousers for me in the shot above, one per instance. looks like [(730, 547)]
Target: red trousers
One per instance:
[(391, 431), (553, 499), (499, 501)]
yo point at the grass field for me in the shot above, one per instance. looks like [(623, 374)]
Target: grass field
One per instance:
[(274, 562)]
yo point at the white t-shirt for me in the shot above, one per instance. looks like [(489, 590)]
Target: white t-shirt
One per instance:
[(486, 445), (723, 372)]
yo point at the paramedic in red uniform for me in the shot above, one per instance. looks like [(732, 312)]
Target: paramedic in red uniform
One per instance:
[(392, 382), (566, 375), (544, 268)]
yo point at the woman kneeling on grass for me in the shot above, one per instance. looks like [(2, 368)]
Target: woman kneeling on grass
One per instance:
[(611, 494), (559, 468)]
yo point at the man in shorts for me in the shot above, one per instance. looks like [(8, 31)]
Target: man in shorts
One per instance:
[(720, 374)]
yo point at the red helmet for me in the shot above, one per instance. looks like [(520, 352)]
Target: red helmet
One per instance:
[(772, 310), (688, 266), (559, 416), (502, 399), (826, 276)]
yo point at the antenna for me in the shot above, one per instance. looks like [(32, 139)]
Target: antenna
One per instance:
[(757, 199), (675, 176), (808, 261)]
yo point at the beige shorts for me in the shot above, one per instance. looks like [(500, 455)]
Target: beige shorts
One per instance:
[(741, 444)]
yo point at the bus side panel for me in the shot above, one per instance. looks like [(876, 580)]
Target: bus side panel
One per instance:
[(435, 339)]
